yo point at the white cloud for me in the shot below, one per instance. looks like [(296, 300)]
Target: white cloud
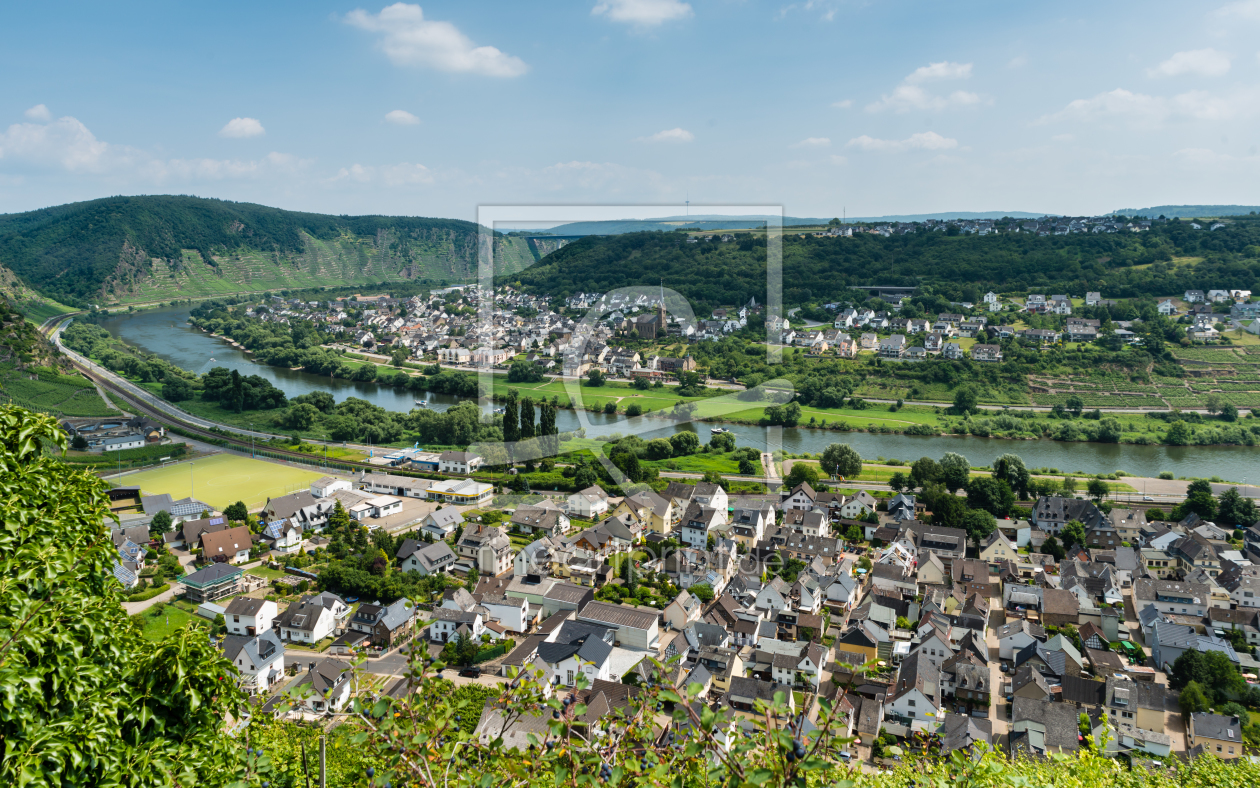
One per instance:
[(408, 39), (1019, 61), (924, 140), (1245, 9), (242, 127), (1063, 137), (909, 95), (642, 13), (834, 159), (67, 144), (669, 135), (401, 117), (39, 112), (1121, 104), (937, 71), (843, 104), (404, 174), (813, 142), (64, 142), (1199, 62)]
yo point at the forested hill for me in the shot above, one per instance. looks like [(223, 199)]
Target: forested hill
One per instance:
[(1168, 259), (127, 249)]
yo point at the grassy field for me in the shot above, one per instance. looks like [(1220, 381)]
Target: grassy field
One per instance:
[(159, 621), (223, 479)]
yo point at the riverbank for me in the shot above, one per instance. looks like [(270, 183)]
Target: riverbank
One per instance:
[(165, 333)]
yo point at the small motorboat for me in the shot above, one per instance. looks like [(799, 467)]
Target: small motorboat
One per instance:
[(422, 403), (718, 431)]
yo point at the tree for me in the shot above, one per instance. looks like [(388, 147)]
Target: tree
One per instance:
[(1229, 412), (949, 511), (978, 524), (746, 467), (300, 416), (126, 711), (702, 591), (801, 472), (1233, 509), (1109, 431), (966, 399), (176, 389), (236, 512), (1199, 500), (160, 524), (585, 476), (524, 372), (990, 494), (1212, 670), (1075, 404), (1213, 403), (924, 470), (1073, 533), (955, 470), (684, 443), (465, 650), (527, 418), (79, 443), (723, 441), (713, 477), (1010, 468), (1052, 547), (840, 459), (642, 384), (339, 518), (595, 377), (899, 482), (1178, 434), (511, 417), (1192, 700), (1097, 489)]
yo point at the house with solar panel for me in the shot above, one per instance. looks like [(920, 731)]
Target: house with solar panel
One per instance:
[(259, 659), (122, 574), (283, 536)]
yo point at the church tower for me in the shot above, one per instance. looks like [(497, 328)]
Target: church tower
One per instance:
[(660, 313)]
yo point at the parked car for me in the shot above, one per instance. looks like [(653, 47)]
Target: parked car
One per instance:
[(471, 672)]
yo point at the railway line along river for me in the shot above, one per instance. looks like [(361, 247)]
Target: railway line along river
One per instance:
[(166, 333)]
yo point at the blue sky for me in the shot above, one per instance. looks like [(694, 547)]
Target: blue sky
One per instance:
[(432, 109)]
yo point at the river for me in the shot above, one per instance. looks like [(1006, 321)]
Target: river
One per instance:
[(166, 332)]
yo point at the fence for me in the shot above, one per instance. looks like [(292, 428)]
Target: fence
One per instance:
[(487, 654)]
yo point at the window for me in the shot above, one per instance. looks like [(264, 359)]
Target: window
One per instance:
[(911, 703), (570, 681)]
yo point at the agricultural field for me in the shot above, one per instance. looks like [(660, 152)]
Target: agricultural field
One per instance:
[(223, 479), (48, 391)]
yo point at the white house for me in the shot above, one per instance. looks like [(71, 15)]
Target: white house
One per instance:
[(588, 656), (442, 522), (249, 617), (380, 506), (259, 659), (590, 503), (914, 699), (447, 622), (1014, 636), (425, 559), (326, 486), (313, 618), (284, 536), (459, 462), (324, 688), (511, 613), (859, 505)]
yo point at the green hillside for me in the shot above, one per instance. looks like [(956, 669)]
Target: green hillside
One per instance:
[(134, 249), (1168, 259)]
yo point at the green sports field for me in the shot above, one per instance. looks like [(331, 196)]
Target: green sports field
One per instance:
[(223, 479)]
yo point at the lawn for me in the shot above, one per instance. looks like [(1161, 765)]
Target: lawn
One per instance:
[(222, 479), (159, 621), (262, 571)]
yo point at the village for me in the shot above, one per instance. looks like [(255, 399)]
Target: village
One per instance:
[(920, 635)]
